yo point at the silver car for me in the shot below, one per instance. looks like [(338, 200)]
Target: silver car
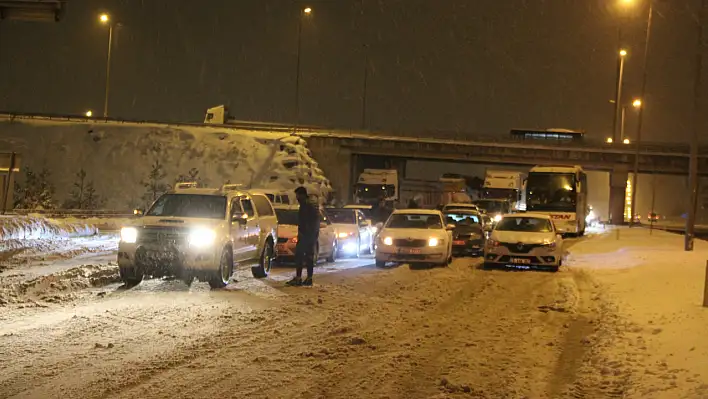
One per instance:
[(524, 241)]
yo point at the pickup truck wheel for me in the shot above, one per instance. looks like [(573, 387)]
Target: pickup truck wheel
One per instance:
[(333, 256), (380, 264), (130, 276), (266, 261), (226, 268)]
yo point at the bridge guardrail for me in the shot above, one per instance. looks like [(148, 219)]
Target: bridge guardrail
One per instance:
[(457, 136)]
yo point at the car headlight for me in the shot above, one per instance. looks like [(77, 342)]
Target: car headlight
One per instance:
[(388, 241), (497, 218), (433, 242), (590, 217), (344, 235), (492, 243), (551, 244), (129, 235), (202, 237)]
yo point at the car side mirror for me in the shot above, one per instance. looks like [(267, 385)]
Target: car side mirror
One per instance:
[(240, 218), (379, 226), (450, 227), (487, 227), (138, 212), (323, 225)]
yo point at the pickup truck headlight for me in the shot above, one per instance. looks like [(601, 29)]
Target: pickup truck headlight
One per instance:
[(129, 235), (387, 241), (202, 237), (433, 242), (344, 235), (550, 245), (497, 218)]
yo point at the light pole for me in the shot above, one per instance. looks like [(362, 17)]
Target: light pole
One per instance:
[(637, 104), (697, 120), (106, 20), (618, 91), (305, 12), (640, 117)]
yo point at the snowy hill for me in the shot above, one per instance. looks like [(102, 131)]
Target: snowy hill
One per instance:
[(127, 164)]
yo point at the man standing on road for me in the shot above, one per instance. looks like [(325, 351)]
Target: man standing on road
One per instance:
[(308, 231)]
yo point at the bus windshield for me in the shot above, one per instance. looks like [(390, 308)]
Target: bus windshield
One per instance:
[(551, 192), (493, 206)]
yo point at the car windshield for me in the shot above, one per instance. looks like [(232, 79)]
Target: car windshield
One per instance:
[(414, 221), (525, 224), (190, 206), (342, 216), (461, 219), (287, 216)]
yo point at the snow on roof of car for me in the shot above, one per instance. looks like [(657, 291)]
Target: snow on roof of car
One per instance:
[(286, 207), (527, 215), (199, 191), (417, 211), (357, 206)]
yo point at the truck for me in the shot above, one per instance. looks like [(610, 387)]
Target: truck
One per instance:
[(373, 185), (506, 185)]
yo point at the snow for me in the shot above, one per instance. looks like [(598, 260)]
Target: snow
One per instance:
[(657, 288), (127, 163), (32, 228)]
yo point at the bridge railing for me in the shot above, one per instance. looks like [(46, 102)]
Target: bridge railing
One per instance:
[(427, 135)]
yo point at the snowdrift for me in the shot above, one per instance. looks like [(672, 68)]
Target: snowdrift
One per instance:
[(33, 228), (127, 162)]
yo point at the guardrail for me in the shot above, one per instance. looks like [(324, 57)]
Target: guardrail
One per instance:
[(74, 213), (454, 136)]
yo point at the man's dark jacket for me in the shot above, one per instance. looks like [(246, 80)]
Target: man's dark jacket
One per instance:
[(308, 229)]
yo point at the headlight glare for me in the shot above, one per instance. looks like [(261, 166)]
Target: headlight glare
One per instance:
[(129, 235), (497, 218), (202, 237), (344, 235), (433, 242), (388, 241)]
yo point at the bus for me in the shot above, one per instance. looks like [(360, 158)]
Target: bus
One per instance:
[(560, 192), (548, 134)]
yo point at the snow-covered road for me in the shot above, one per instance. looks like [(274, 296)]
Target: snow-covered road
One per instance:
[(360, 332)]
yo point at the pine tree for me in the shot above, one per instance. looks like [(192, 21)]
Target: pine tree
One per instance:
[(191, 176), (45, 190), (91, 199), (154, 184), (76, 199)]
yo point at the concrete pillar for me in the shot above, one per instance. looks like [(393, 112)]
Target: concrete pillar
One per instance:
[(336, 162), (618, 192)]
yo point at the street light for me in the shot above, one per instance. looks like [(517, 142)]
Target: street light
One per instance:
[(305, 12), (609, 140), (106, 20), (637, 103), (89, 113), (618, 91), (640, 107)]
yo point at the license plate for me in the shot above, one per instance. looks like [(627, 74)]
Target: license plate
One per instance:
[(521, 261), (458, 242), (411, 251)]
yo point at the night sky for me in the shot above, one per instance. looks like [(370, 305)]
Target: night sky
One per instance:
[(479, 66)]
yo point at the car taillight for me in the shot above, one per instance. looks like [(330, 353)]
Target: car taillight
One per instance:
[(293, 240)]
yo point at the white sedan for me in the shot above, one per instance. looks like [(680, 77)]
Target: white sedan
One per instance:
[(354, 233), (415, 236), (524, 240)]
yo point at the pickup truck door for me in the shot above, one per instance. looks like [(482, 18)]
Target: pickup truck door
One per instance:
[(239, 231), (253, 228)]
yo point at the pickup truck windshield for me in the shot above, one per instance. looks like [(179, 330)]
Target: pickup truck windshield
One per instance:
[(190, 206)]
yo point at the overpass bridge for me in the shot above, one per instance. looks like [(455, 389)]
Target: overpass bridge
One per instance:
[(342, 154)]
